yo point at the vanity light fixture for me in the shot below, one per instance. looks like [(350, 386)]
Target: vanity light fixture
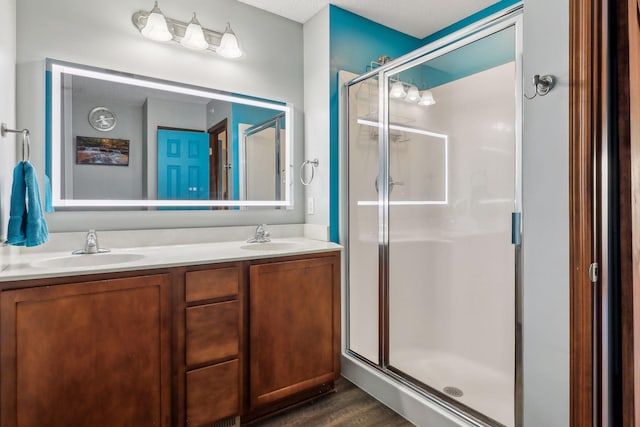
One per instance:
[(412, 94), (426, 99), (156, 26), (401, 90), (397, 91), (194, 36), (229, 46)]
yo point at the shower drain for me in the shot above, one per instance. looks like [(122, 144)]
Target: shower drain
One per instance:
[(453, 391)]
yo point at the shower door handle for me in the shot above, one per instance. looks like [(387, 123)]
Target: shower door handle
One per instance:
[(392, 184), (515, 228)]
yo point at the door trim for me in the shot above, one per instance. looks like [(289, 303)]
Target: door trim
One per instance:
[(627, 97), (214, 159), (585, 130)]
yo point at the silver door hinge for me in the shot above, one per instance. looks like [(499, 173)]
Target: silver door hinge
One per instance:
[(594, 272)]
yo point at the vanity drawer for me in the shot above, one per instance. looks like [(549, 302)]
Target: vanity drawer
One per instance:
[(211, 284), (213, 332), (213, 393)]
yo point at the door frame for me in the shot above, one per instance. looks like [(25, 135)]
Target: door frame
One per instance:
[(585, 141), (214, 176), (625, 53)]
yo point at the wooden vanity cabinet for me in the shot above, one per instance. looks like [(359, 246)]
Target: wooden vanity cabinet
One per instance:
[(213, 331), (294, 327), (87, 354), (183, 346)]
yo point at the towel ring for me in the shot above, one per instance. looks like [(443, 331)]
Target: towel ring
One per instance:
[(26, 146), (314, 164)]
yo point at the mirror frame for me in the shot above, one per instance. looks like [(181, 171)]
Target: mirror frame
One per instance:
[(54, 135)]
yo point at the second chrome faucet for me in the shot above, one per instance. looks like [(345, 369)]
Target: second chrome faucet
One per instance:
[(261, 236)]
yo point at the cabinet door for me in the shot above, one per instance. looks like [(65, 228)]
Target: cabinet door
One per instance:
[(87, 354), (294, 327)]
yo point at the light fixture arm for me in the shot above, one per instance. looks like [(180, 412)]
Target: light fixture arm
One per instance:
[(178, 28)]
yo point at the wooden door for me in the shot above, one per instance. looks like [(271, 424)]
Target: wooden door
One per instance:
[(219, 161), (87, 354), (294, 327)]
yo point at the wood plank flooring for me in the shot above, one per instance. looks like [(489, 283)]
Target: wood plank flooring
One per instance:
[(348, 406)]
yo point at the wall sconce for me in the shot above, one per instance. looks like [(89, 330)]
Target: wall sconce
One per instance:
[(156, 26)]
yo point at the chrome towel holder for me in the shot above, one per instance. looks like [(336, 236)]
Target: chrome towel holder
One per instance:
[(542, 85), (4, 130), (314, 164)]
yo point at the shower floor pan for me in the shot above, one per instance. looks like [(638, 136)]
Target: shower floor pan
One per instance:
[(486, 390)]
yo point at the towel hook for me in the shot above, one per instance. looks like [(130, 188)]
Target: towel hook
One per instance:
[(542, 85), (4, 130), (314, 164)]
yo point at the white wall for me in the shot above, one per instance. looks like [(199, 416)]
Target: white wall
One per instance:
[(7, 111), (103, 181), (316, 107), (546, 217), (77, 31)]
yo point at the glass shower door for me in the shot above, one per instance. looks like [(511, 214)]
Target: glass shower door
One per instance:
[(363, 296), (451, 192)]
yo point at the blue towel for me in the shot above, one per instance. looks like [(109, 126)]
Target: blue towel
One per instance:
[(27, 226), (17, 231), (37, 231)]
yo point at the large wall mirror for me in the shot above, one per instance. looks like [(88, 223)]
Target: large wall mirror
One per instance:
[(126, 141)]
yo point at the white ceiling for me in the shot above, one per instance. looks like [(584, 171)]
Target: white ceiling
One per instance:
[(418, 18)]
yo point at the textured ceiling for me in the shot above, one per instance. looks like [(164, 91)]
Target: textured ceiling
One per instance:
[(418, 18)]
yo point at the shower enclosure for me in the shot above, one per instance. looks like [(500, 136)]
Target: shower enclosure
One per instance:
[(433, 222)]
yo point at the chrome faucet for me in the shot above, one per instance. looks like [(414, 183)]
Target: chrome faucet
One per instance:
[(262, 235), (91, 245)]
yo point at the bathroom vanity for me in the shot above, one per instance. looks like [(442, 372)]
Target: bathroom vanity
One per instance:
[(199, 340)]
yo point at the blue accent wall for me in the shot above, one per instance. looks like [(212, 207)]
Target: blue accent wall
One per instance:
[(243, 113), (48, 202), (481, 55), (471, 19), (354, 42)]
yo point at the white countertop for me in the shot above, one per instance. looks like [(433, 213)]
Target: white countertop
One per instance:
[(24, 266)]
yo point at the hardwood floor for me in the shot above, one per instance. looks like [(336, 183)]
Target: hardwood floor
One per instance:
[(349, 406)]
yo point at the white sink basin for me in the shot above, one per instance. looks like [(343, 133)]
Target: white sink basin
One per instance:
[(87, 260), (271, 246)]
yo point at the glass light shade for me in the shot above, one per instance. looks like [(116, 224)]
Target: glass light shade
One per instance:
[(427, 98), (229, 46), (397, 90), (156, 27), (194, 36), (412, 94)]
